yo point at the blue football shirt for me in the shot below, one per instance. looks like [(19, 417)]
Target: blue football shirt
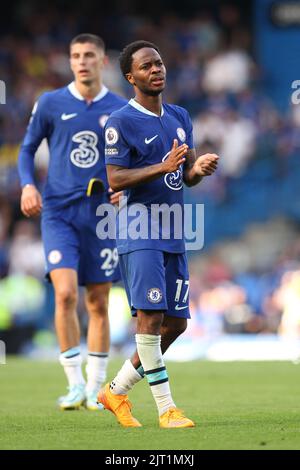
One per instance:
[(136, 138), (74, 131)]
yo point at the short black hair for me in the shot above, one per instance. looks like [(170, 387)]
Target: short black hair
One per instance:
[(125, 58), (86, 37)]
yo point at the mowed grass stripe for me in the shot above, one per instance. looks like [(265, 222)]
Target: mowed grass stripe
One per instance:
[(236, 405)]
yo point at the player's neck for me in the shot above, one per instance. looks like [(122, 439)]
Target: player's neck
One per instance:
[(152, 103), (88, 92)]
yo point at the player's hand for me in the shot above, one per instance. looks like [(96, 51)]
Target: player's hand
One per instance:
[(115, 197), (206, 164), (175, 158), (31, 201)]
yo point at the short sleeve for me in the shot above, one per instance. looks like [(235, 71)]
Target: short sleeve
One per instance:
[(189, 130), (38, 125), (117, 149)]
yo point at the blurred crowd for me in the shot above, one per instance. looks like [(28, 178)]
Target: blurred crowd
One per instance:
[(251, 284)]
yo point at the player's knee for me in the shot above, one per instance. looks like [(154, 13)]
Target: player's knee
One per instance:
[(182, 327), (97, 304), (154, 325), (175, 329), (149, 322), (66, 298)]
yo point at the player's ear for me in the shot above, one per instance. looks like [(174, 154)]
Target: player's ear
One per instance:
[(130, 78)]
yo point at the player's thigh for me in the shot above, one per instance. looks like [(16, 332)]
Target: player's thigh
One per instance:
[(177, 285), (143, 273), (61, 242)]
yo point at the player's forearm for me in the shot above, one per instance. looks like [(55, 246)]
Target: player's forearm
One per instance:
[(26, 167), (190, 177), (196, 168), (123, 178)]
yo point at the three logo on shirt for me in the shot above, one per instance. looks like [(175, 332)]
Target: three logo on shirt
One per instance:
[(86, 154)]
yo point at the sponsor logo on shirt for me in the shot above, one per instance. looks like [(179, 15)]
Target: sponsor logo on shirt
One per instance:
[(111, 151), (86, 154)]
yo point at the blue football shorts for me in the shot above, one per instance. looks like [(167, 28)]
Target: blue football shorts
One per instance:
[(156, 280), (70, 241)]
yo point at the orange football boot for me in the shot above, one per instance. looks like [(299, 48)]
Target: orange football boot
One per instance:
[(120, 406), (174, 418)]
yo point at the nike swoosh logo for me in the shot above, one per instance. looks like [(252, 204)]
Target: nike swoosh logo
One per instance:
[(109, 273), (148, 141), (180, 308), (68, 116)]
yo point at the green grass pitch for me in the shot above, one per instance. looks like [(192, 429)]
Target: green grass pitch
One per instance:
[(235, 406)]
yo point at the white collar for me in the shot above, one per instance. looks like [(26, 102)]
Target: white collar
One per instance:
[(73, 90), (141, 108)]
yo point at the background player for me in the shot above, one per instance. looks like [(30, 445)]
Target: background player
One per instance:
[(143, 155), (72, 119)]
